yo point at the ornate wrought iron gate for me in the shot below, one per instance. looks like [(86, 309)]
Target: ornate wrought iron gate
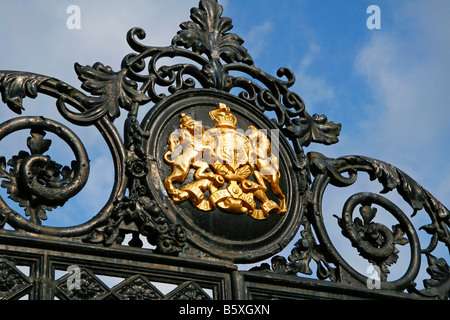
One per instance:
[(207, 179)]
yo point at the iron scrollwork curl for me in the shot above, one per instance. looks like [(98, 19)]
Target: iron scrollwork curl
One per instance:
[(374, 241), (137, 213), (39, 184), (35, 181), (214, 54), (216, 60), (207, 35)]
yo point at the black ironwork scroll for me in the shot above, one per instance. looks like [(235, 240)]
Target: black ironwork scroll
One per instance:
[(139, 204)]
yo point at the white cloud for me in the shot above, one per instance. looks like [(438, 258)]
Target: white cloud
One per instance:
[(253, 42), (38, 31), (315, 91), (406, 68)]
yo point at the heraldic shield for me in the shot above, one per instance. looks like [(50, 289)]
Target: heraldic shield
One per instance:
[(225, 172), (224, 159)]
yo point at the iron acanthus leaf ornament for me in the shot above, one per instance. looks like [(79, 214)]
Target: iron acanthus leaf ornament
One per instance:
[(215, 65)]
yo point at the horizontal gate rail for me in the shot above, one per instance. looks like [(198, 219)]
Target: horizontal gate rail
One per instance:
[(187, 276), (46, 259), (208, 174)]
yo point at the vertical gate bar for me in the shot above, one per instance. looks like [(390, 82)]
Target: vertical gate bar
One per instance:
[(38, 277), (238, 286), (46, 280)]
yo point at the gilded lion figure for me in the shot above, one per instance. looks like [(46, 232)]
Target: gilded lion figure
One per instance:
[(185, 151)]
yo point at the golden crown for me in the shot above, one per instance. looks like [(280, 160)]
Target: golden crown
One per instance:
[(223, 117)]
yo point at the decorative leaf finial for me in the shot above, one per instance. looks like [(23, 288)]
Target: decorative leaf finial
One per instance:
[(207, 33)]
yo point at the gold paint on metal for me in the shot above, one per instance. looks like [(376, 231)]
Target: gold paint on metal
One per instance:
[(224, 160)]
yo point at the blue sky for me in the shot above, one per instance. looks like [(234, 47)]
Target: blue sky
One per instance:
[(389, 87)]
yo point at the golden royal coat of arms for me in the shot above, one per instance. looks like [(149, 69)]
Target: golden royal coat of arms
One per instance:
[(224, 160)]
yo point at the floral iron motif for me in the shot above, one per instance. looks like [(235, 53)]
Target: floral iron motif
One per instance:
[(374, 241)]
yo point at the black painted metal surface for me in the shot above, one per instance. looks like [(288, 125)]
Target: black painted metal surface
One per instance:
[(194, 251)]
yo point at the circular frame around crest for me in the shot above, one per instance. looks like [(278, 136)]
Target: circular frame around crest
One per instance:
[(236, 237)]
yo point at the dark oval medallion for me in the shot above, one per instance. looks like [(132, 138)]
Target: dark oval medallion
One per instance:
[(224, 172)]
